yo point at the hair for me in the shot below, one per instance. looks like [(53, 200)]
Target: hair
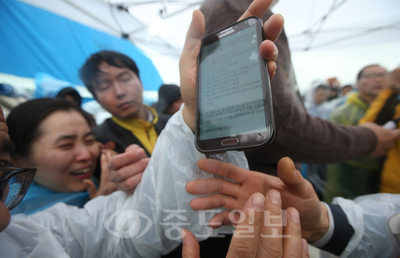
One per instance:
[(322, 87), (347, 86), (24, 120), (394, 80), (362, 70), (90, 71), (69, 91)]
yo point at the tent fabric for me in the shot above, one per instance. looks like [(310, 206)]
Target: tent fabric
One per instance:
[(34, 40)]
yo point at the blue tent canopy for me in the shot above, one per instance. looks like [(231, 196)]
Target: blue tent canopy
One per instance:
[(34, 40)]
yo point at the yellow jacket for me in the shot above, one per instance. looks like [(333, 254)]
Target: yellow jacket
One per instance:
[(387, 106)]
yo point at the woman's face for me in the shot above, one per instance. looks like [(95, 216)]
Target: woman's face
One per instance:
[(65, 153)]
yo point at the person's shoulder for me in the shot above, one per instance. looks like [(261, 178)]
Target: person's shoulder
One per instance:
[(163, 118), (104, 127), (342, 109)]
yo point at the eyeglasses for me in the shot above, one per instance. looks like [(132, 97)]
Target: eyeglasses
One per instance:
[(14, 183), (374, 76)]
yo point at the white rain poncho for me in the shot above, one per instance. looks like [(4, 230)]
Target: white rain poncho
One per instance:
[(369, 215), (145, 224), (323, 110)]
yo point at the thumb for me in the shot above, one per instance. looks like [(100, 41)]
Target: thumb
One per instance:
[(292, 178), (190, 248), (90, 188), (194, 35)]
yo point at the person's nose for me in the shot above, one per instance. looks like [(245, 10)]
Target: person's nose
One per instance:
[(119, 90), (83, 153)]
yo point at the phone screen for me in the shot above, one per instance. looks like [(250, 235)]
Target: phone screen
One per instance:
[(232, 97)]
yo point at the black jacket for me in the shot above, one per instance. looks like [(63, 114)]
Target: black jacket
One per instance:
[(111, 131)]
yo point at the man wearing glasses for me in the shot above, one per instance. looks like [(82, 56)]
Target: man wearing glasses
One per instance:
[(371, 80)]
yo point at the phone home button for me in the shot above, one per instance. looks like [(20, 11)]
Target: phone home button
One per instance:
[(231, 141)]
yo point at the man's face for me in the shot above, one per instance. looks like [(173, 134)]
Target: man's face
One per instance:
[(119, 91), (321, 95), (372, 82), (5, 157)]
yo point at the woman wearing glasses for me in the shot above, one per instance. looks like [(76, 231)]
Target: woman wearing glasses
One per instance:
[(55, 137)]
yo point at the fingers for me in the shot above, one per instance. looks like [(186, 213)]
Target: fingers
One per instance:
[(221, 219), (129, 170), (190, 248), (220, 168), (268, 51), (191, 49), (215, 201), (126, 169), (273, 26), (90, 188), (108, 145), (212, 185), (246, 236), (292, 245), (129, 185), (305, 248), (188, 67), (126, 158), (271, 232), (133, 147), (256, 8), (292, 177), (385, 139), (105, 158), (194, 35), (271, 69)]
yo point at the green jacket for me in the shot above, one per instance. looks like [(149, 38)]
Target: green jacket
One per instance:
[(356, 177)]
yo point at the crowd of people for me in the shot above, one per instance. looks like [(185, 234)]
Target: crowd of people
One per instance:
[(137, 186), (374, 99)]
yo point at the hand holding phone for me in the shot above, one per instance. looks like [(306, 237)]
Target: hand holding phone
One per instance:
[(233, 105)]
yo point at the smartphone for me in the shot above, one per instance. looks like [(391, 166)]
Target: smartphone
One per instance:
[(233, 102)]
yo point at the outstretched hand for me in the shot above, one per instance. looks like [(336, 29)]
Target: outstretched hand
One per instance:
[(188, 61), (386, 139), (255, 238), (295, 191)]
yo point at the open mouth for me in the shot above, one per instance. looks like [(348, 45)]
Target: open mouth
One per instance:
[(80, 172)]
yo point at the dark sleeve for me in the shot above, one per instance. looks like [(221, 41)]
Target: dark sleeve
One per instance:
[(309, 139), (111, 131), (342, 233)]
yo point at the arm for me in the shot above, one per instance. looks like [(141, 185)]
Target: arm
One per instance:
[(369, 215), (360, 226), (295, 190), (162, 188), (297, 131), (102, 229)]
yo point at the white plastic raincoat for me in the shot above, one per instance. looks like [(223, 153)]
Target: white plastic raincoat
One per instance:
[(369, 215), (145, 224)]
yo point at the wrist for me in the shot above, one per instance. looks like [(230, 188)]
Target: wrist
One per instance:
[(321, 227), (189, 118)]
